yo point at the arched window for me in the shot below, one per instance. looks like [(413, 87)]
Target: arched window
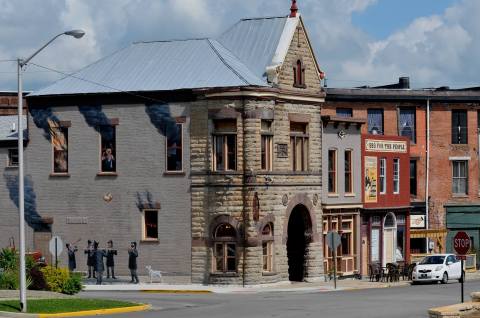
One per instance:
[(225, 248), (389, 221), (267, 247), (299, 74)]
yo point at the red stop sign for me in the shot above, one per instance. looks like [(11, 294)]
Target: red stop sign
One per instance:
[(461, 243)]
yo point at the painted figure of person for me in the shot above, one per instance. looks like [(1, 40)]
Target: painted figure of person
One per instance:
[(108, 160), (90, 259), (132, 262), (110, 261), (72, 262), (99, 267)]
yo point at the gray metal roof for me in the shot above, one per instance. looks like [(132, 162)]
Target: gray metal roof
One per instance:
[(238, 58), (254, 41), (9, 128)]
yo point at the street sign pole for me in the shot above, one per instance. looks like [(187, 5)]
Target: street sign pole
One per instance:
[(462, 276), (56, 252)]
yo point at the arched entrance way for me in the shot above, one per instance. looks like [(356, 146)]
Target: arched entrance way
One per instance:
[(389, 238), (298, 238)]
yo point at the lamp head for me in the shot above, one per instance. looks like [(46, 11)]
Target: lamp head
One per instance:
[(77, 34)]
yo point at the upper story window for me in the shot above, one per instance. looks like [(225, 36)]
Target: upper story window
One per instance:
[(375, 121), (413, 177), (344, 112), (406, 123), (299, 74), (59, 137), (12, 158), (460, 177), (332, 171), (459, 126), (108, 148), (225, 145), (299, 146), (267, 145), (383, 180), (174, 148), (348, 171), (396, 176)]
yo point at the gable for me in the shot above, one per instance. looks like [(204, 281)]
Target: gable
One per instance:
[(300, 49)]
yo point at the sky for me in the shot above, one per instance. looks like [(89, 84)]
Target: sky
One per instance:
[(356, 42)]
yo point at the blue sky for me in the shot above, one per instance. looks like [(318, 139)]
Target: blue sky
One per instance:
[(387, 16), (357, 42)]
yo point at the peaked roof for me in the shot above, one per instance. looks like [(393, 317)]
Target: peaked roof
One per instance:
[(239, 57)]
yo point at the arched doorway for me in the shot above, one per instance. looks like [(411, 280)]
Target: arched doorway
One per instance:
[(389, 238), (298, 237)]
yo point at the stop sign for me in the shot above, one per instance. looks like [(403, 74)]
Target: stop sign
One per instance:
[(461, 243)]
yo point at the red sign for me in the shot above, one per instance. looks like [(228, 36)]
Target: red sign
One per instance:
[(461, 243)]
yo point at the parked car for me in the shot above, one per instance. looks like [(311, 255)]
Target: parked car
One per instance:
[(438, 268)]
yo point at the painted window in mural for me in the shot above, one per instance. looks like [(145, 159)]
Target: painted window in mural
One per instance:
[(406, 125), (150, 225), (267, 145), (225, 251), (383, 179), (225, 145), (108, 149), (60, 148), (298, 146), (396, 175), (370, 179), (175, 148), (375, 121), (13, 157)]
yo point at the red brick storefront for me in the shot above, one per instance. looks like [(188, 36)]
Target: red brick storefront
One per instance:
[(385, 230)]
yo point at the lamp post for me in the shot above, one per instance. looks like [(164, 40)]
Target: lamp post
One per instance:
[(20, 64)]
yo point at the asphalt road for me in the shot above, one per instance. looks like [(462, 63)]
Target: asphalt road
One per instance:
[(407, 301)]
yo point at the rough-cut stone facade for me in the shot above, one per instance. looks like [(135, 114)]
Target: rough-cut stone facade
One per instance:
[(232, 193)]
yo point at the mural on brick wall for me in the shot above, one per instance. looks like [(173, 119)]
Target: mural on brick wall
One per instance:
[(98, 120), (32, 217), (44, 118), (161, 118)]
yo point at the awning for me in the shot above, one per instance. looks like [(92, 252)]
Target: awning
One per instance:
[(435, 233)]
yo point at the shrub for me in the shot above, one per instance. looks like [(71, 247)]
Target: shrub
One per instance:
[(73, 285), (9, 279), (59, 280), (8, 259)]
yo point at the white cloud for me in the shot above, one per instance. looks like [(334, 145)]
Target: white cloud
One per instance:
[(434, 50)]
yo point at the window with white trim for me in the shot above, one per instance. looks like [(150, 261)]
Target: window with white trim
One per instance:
[(396, 176), (460, 177), (382, 176)]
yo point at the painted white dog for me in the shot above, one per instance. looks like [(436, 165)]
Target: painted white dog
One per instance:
[(153, 273)]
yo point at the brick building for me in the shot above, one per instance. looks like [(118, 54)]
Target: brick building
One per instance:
[(453, 172), (206, 152)]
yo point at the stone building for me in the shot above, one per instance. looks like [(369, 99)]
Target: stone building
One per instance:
[(453, 174), (207, 152), (342, 191)]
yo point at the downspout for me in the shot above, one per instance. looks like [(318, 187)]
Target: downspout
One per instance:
[(427, 173)]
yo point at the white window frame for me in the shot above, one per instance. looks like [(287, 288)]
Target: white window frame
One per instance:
[(396, 175), (166, 150), (460, 178), (144, 226), (383, 177)]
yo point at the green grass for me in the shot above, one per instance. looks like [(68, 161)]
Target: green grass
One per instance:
[(52, 306)]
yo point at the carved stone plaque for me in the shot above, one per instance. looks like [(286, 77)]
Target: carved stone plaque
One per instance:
[(282, 150)]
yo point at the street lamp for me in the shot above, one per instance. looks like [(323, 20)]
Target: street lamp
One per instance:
[(20, 64)]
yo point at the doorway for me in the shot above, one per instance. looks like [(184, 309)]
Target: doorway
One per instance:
[(298, 238), (389, 238)]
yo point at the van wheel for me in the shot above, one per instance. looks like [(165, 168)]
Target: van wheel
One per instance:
[(444, 278)]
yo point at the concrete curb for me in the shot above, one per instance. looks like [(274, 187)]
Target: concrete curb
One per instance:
[(96, 312)]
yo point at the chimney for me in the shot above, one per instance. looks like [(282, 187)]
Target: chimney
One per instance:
[(293, 9), (404, 82)]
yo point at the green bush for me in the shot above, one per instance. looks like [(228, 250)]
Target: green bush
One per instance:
[(59, 280), (8, 259), (9, 279)]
